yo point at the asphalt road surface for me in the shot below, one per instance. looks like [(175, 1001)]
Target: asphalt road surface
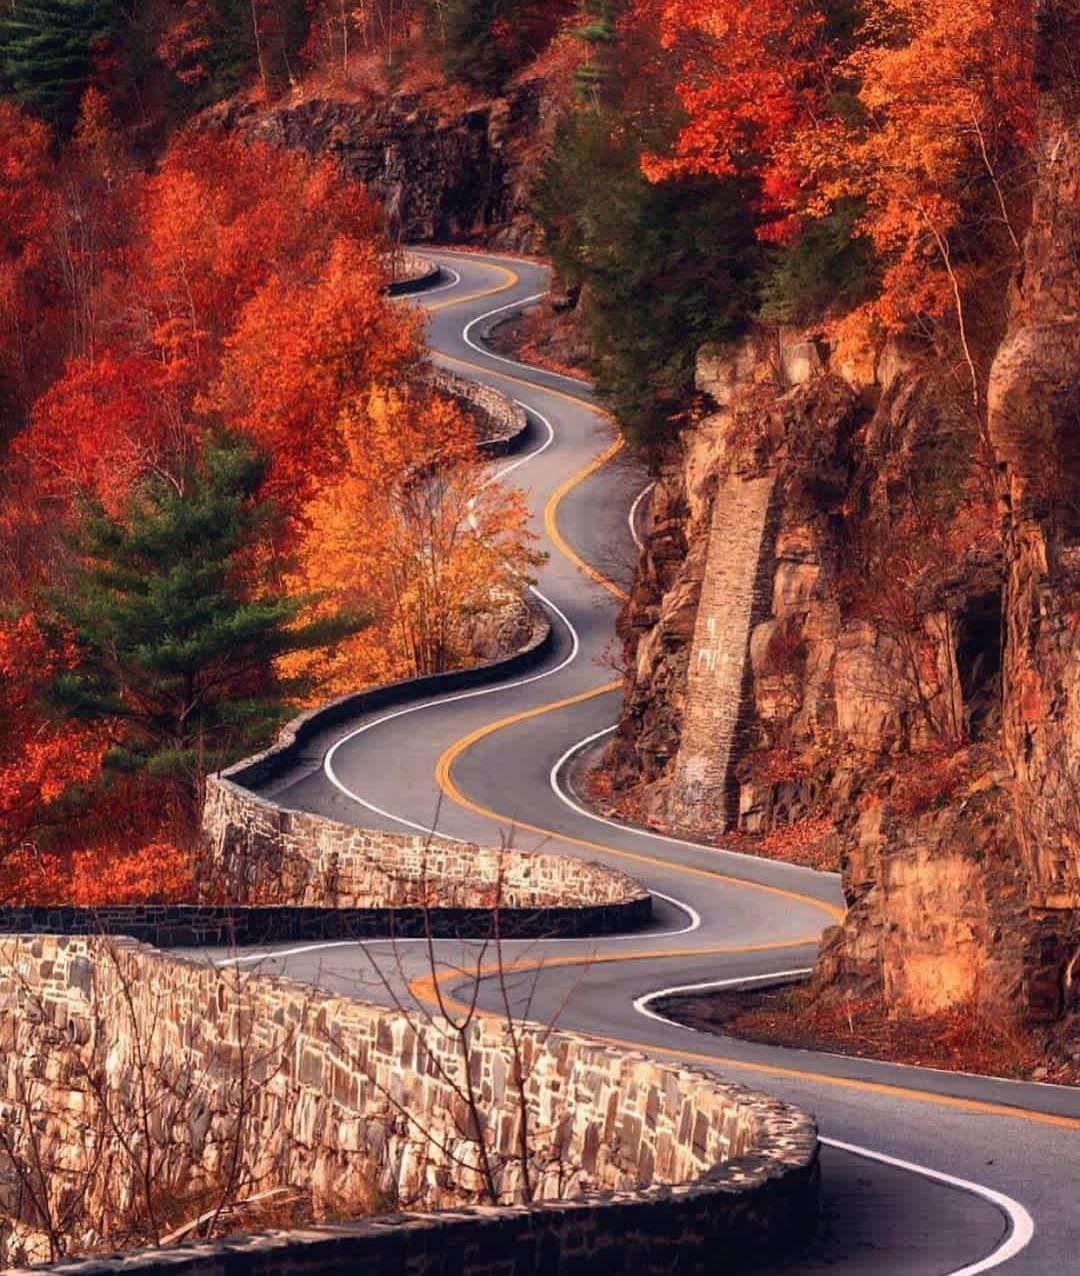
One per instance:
[(924, 1172)]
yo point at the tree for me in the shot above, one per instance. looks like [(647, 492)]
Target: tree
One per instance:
[(40, 758), (101, 427), (483, 41), (751, 78), (415, 528), (98, 190), (598, 34), (217, 47), (27, 212), (47, 53), (912, 112), (664, 266), (220, 220), (285, 384), (945, 99), (177, 622)]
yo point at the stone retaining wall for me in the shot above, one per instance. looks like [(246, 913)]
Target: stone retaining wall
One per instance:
[(411, 273), (241, 926), (269, 855), (259, 853), (649, 1166), (733, 594), (502, 421)]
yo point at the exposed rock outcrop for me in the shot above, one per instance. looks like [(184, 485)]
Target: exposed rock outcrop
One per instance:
[(460, 179), (911, 670)]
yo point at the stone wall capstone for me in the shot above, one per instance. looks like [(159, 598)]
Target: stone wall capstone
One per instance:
[(626, 1155)]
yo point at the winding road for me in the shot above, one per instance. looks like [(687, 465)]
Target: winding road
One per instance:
[(924, 1172)]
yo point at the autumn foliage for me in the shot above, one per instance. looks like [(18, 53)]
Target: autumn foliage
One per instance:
[(918, 111), (414, 529), (232, 297)]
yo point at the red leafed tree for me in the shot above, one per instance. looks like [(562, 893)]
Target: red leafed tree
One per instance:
[(102, 426), (220, 218), (39, 759), (27, 286), (918, 111), (97, 188), (223, 232), (750, 77), (289, 385)]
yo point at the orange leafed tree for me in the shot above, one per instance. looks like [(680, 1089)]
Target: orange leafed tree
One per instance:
[(946, 98), (416, 533), (918, 112), (222, 217)]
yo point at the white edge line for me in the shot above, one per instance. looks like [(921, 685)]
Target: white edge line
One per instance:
[(516, 363), (632, 517), (461, 696), (641, 1004), (422, 295), (267, 954), (1020, 1225), (737, 856), (1021, 1228), (692, 914), (695, 922)]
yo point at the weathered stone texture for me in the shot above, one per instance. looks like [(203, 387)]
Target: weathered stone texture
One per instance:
[(936, 726), (350, 1094), (502, 421), (256, 852), (264, 854), (442, 179), (730, 599), (410, 272)]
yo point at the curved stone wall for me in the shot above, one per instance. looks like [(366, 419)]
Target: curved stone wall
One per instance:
[(410, 273), (259, 853), (645, 1156), (502, 421)]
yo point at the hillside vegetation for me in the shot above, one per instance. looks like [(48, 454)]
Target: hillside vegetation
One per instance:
[(822, 243)]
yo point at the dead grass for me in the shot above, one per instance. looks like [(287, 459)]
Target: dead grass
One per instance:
[(961, 1039), (807, 841), (543, 337)]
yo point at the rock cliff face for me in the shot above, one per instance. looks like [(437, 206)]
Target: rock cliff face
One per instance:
[(838, 616), (460, 179)]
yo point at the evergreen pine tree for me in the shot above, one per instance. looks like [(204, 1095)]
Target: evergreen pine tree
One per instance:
[(598, 33), (47, 53), (663, 268), (178, 623)]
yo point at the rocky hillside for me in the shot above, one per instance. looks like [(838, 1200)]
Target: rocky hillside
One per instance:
[(840, 622), (461, 177)]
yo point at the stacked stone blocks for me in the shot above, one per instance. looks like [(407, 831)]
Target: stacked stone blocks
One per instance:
[(732, 597), (640, 1155)]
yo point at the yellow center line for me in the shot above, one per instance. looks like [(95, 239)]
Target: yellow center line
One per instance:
[(510, 278), (425, 987), (551, 525), (429, 990), (445, 779)]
